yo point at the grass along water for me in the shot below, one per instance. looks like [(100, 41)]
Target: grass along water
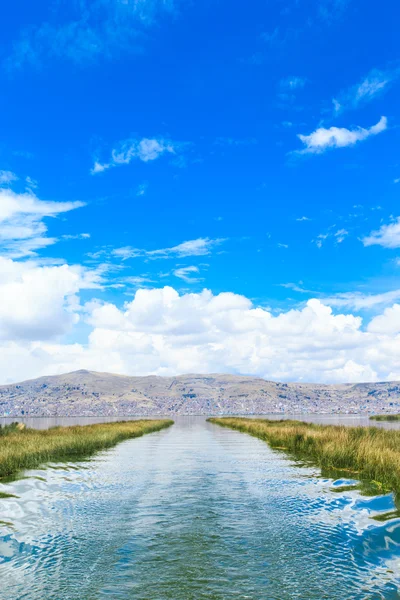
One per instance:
[(385, 418), (22, 448), (368, 452)]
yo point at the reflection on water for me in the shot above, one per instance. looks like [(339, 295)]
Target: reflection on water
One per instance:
[(194, 511)]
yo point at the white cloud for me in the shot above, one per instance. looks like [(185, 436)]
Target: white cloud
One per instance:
[(387, 236), (296, 287), (162, 332), (7, 177), (198, 247), (186, 273), (322, 139), (303, 219), (40, 302), (126, 252), (31, 184), (137, 280), (76, 236), (145, 150), (362, 301), (22, 229), (372, 86), (99, 167), (388, 322), (340, 235)]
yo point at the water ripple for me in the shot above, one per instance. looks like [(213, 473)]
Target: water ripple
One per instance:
[(194, 512)]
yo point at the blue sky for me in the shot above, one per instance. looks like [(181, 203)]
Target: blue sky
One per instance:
[(249, 151)]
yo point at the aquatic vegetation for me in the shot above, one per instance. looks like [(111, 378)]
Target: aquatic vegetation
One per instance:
[(22, 448), (371, 453), (385, 417), (11, 428), (6, 495)]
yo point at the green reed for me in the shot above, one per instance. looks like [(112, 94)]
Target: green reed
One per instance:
[(22, 448), (368, 452)]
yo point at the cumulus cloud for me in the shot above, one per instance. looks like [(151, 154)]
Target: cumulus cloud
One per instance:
[(22, 227), (39, 302), (387, 236), (162, 332), (388, 322), (322, 139), (198, 247), (145, 150)]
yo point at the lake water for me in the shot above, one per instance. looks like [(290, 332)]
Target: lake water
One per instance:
[(195, 511), (339, 419)]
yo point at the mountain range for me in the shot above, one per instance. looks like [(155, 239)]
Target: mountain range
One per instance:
[(88, 393)]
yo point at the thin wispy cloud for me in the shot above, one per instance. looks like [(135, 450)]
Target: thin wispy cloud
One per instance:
[(138, 281), (86, 31), (141, 189), (337, 236), (370, 87), (188, 274), (22, 227), (7, 177), (198, 247), (293, 82), (323, 139), (145, 150), (340, 235), (296, 287), (76, 236), (361, 301)]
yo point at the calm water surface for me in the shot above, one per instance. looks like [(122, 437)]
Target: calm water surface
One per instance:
[(192, 512)]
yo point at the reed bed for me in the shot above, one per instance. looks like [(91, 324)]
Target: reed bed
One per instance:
[(385, 418), (370, 453), (22, 448)]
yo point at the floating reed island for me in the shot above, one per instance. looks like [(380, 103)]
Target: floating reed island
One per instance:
[(385, 418), (371, 453), (22, 448)]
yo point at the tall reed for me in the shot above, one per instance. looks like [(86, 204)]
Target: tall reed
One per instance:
[(370, 452), (29, 448)]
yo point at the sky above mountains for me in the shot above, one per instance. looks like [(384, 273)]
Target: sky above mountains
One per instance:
[(200, 187)]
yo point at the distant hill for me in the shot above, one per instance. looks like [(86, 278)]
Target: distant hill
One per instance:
[(87, 393)]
